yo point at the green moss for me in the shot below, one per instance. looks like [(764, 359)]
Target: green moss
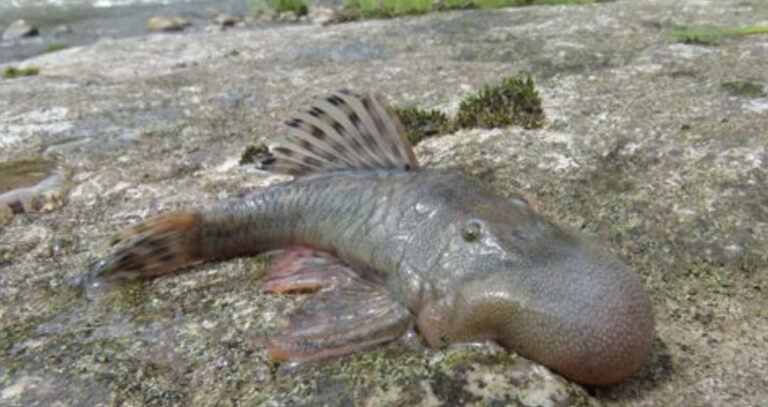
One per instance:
[(259, 7), (708, 36), (515, 102), (355, 11), (253, 153), (382, 9), (13, 72), (53, 47), (420, 124), (395, 6), (743, 89), (297, 6)]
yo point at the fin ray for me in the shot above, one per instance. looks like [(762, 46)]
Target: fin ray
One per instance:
[(355, 316), (342, 131)]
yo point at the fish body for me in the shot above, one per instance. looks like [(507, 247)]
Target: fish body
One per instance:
[(386, 245)]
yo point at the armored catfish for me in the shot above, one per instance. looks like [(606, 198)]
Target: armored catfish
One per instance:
[(384, 244)]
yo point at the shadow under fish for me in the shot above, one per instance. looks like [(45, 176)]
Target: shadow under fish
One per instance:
[(384, 244)]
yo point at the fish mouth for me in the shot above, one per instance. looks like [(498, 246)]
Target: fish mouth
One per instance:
[(593, 324)]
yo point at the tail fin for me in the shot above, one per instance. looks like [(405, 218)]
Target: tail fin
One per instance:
[(150, 249)]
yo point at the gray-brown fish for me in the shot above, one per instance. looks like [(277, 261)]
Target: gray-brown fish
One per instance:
[(386, 244)]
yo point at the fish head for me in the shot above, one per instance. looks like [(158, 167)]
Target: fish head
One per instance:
[(546, 292)]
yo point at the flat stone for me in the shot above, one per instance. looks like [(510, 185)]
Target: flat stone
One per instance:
[(227, 20), (167, 23), (320, 15)]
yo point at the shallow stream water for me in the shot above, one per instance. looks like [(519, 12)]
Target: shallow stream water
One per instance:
[(88, 21)]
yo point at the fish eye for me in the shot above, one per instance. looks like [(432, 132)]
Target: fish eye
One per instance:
[(471, 231)]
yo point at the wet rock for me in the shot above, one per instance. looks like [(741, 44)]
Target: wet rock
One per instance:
[(19, 29), (167, 23), (320, 15), (227, 20), (287, 17), (30, 186), (266, 17)]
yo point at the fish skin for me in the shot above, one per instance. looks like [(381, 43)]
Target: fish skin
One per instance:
[(549, 293), (447, 253)]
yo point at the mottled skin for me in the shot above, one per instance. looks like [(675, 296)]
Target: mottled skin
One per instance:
[(468, 264)]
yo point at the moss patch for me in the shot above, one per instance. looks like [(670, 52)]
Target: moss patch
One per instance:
[(13, 72), (709, 36), (381, 9), (53, 47), (515, 102), (743, 89), (254, 153), (297, 6), (420, 124), (355, 12), (261, 7)]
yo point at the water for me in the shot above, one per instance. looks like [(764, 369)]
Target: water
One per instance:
[(87, 21), (93, 3)]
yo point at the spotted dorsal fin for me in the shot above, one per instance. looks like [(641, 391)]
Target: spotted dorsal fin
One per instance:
[(342, 131)]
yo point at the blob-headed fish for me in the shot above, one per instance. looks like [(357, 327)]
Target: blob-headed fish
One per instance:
[(384, 243)]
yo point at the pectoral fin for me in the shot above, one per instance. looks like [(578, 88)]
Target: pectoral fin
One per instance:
[(302, 270), (348, 314)]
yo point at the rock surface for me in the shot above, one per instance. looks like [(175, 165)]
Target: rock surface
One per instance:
[(19, 29), (649, 145)]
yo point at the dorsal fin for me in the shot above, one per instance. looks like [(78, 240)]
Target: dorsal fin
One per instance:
[(341, 131)]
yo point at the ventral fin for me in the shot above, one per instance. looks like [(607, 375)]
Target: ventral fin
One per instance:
[(342, 131), (352, 316)]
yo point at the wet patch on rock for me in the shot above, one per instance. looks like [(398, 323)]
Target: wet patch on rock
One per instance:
[(29, 186), (23, 173)]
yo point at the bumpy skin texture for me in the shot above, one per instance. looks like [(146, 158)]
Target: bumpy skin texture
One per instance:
[(468, 264)]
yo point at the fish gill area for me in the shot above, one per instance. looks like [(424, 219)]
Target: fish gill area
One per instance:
[(656, 145)]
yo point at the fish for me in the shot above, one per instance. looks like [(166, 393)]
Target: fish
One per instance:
[(383, 245)]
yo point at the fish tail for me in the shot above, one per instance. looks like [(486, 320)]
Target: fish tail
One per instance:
[(151, 248)]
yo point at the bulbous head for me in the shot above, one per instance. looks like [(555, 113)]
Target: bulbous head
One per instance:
[(548, 293)]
